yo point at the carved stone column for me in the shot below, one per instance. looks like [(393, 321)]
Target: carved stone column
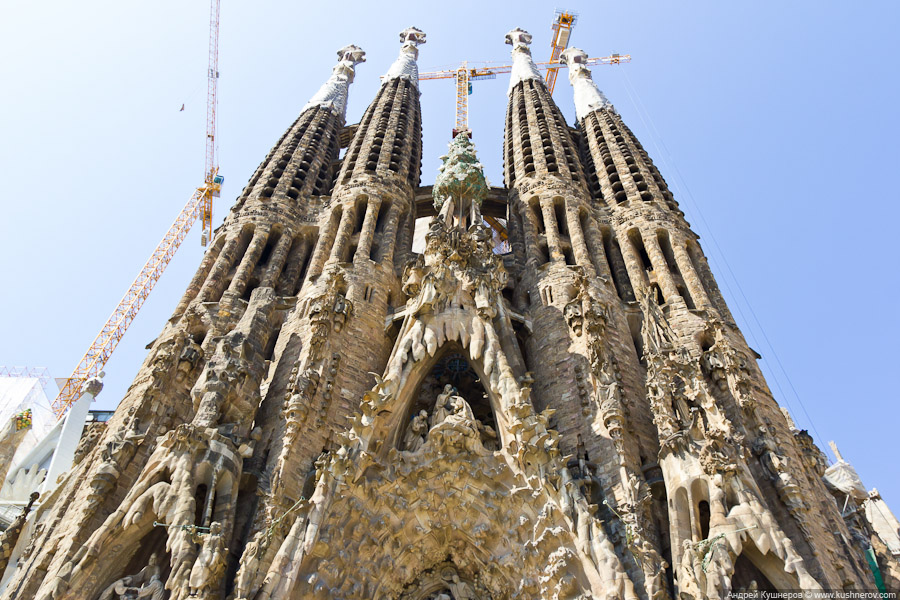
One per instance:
[(364, 247), (632, 263), (551, 229), (532, 250), (690, 276), (279, 256), (326, 239), (197, 282), (214, 284), (660, 266), (344, 232), (390, 233), (248, 263), (576, 236), (291, 273)]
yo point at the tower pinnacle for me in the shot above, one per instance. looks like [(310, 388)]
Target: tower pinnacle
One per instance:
[(333, 93), (523, 65), (405, 66), (461, 175), (588, 96)]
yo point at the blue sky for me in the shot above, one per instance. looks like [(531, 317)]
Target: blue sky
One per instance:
[(774, 122)]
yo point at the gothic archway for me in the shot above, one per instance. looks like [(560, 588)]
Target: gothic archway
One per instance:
[(438, 393)]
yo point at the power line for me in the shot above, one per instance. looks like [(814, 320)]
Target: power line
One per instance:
[(655, 136)]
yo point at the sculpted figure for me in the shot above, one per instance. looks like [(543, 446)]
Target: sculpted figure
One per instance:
[(210, 565), (574, 316), (460, 408), (146, 584), (249, 565), (441, 406), (415, 433), (461, 590)]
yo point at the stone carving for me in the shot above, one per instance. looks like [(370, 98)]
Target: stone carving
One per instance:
[(247, 571), (574, 316), (145, 584), (415, 433), (588, 96), (93, 385), (329, 311), (10, 536), (775, 465), (206, 574), (116, 455), (333, 93), (442, 405)]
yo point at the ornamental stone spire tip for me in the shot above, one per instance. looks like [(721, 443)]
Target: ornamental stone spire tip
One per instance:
[(405, 66), (333, 93), (461, 176), (588, 96), (523, 65)]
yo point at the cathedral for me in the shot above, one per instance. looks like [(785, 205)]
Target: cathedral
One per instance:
[(559, 407)]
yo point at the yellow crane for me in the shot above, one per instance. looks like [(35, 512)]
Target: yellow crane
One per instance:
[(465, 75), (198, 206), (562, 31)]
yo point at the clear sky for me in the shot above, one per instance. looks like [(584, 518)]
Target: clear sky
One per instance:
[(774, 122)]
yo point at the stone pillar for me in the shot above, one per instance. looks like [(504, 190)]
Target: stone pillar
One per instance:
[(279, 256), (248, 263), (576, 237), (551, 230), (390, 233), (344, 232), (602, 263), (661, 267), (632, 263), (532, 243), (368, 229), (214, 284), (690, 276), (326, 239), (197, 282), (292, 271)]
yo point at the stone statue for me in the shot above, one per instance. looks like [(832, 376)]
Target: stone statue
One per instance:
[(460, 409), (209, 568), (249, 565), (441, 406), (415, 433), (146, 584)]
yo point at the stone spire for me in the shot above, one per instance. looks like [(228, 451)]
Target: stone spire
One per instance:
[(333, 93), (523, 65), (405, 66), (588, 96)]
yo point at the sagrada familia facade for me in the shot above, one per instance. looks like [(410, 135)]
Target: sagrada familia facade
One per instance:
[(331, 415)]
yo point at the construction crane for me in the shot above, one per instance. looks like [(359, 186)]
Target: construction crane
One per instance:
[(198, 206), (465, 75), (562, 31)]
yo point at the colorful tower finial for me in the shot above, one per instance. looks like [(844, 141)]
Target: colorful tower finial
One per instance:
[(333, 93), (461, 175), (588, 96), (523, 65), (405, 66)]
